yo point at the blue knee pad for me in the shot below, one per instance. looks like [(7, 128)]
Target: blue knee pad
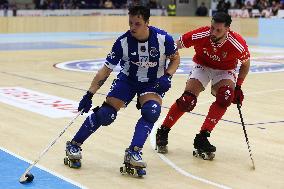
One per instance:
[(150, 111), (106, 114), (103, 115)]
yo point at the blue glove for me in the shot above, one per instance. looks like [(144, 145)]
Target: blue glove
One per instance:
[(163, 84), (86, 102)]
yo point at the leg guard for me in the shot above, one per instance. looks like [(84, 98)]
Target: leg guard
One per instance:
[(218, 108), (89, 126), (187, 102), (150, 111), (103, 115), (224, 96), (106, 114)]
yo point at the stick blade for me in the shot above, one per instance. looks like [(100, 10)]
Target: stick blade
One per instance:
[(26, 178)]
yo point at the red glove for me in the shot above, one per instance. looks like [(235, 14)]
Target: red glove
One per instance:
[(238, 95)]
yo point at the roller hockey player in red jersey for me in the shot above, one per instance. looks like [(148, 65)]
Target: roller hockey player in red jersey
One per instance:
[(217, 52)]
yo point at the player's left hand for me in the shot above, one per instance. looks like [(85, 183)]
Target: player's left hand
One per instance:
[(163, 84), (238, 95)]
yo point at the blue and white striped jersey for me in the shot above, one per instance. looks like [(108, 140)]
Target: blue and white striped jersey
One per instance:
[(142, 61)]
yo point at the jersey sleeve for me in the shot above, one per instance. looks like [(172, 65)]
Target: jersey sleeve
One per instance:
[(114, 57), (170, 45), (193, 37), (245, 55)]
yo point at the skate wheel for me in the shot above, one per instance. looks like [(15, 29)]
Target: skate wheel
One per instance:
[(132, 171), (75, 164), (122, 170), (66, 161), (203, 156), (141, 172), (211, 156), (162, 149)]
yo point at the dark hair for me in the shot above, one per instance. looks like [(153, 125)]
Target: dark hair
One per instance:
[(137, 10), (222, 17)]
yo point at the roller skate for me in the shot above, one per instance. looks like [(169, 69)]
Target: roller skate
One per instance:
[(162, 140), (73, 155), (133, 163), (202, 146)]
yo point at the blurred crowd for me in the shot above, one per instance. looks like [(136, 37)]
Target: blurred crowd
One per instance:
[(75, 4), (265, 8)]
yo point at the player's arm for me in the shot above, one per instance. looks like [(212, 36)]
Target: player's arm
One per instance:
[(191, 38), (244, 69), (112, 59), (99, 79), (178, 42), (173, 64)]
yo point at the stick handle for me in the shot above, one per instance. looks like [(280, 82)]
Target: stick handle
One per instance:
[(245, 132), (51, 144)]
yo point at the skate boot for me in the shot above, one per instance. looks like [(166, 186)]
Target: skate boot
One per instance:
[(162, 140), (202, 146), (133, 163), (73, 154)]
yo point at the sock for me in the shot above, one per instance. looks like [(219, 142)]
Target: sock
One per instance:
[(89, 126), (142, 130), (173, 115), (215, 113)]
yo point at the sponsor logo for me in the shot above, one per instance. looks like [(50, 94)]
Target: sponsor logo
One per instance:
[(212, 56), (154, 52), (145, 64), (44, 104), (258, 65)]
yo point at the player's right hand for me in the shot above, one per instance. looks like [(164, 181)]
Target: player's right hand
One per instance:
[(238, 95), (86, 102), (163, 84)]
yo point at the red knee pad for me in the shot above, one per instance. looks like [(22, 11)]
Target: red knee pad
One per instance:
[(225, 96), (186, 102)]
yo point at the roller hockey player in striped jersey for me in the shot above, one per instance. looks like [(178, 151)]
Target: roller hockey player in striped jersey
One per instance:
[(142, 52)]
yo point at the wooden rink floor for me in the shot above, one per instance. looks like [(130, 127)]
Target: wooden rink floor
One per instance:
[(27, 133)]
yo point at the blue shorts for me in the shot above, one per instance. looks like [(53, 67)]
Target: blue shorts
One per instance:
[(125, 90)]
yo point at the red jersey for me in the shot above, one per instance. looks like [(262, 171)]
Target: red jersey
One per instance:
[(222, 56)]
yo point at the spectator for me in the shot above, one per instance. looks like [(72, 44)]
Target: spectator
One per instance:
[(244, 12), (119, 3), (171, 8), (108, 4), (274, 8), (223, 6), (249, 7), (202, 10), (152, 4), (132, 3), (4, 4), (262, 5), (282, 4), (239, 4)]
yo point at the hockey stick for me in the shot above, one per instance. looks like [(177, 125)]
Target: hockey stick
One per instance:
[(245, 132), (28, 177)]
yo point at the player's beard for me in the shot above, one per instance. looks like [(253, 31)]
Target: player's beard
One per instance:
[(215, 39)]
